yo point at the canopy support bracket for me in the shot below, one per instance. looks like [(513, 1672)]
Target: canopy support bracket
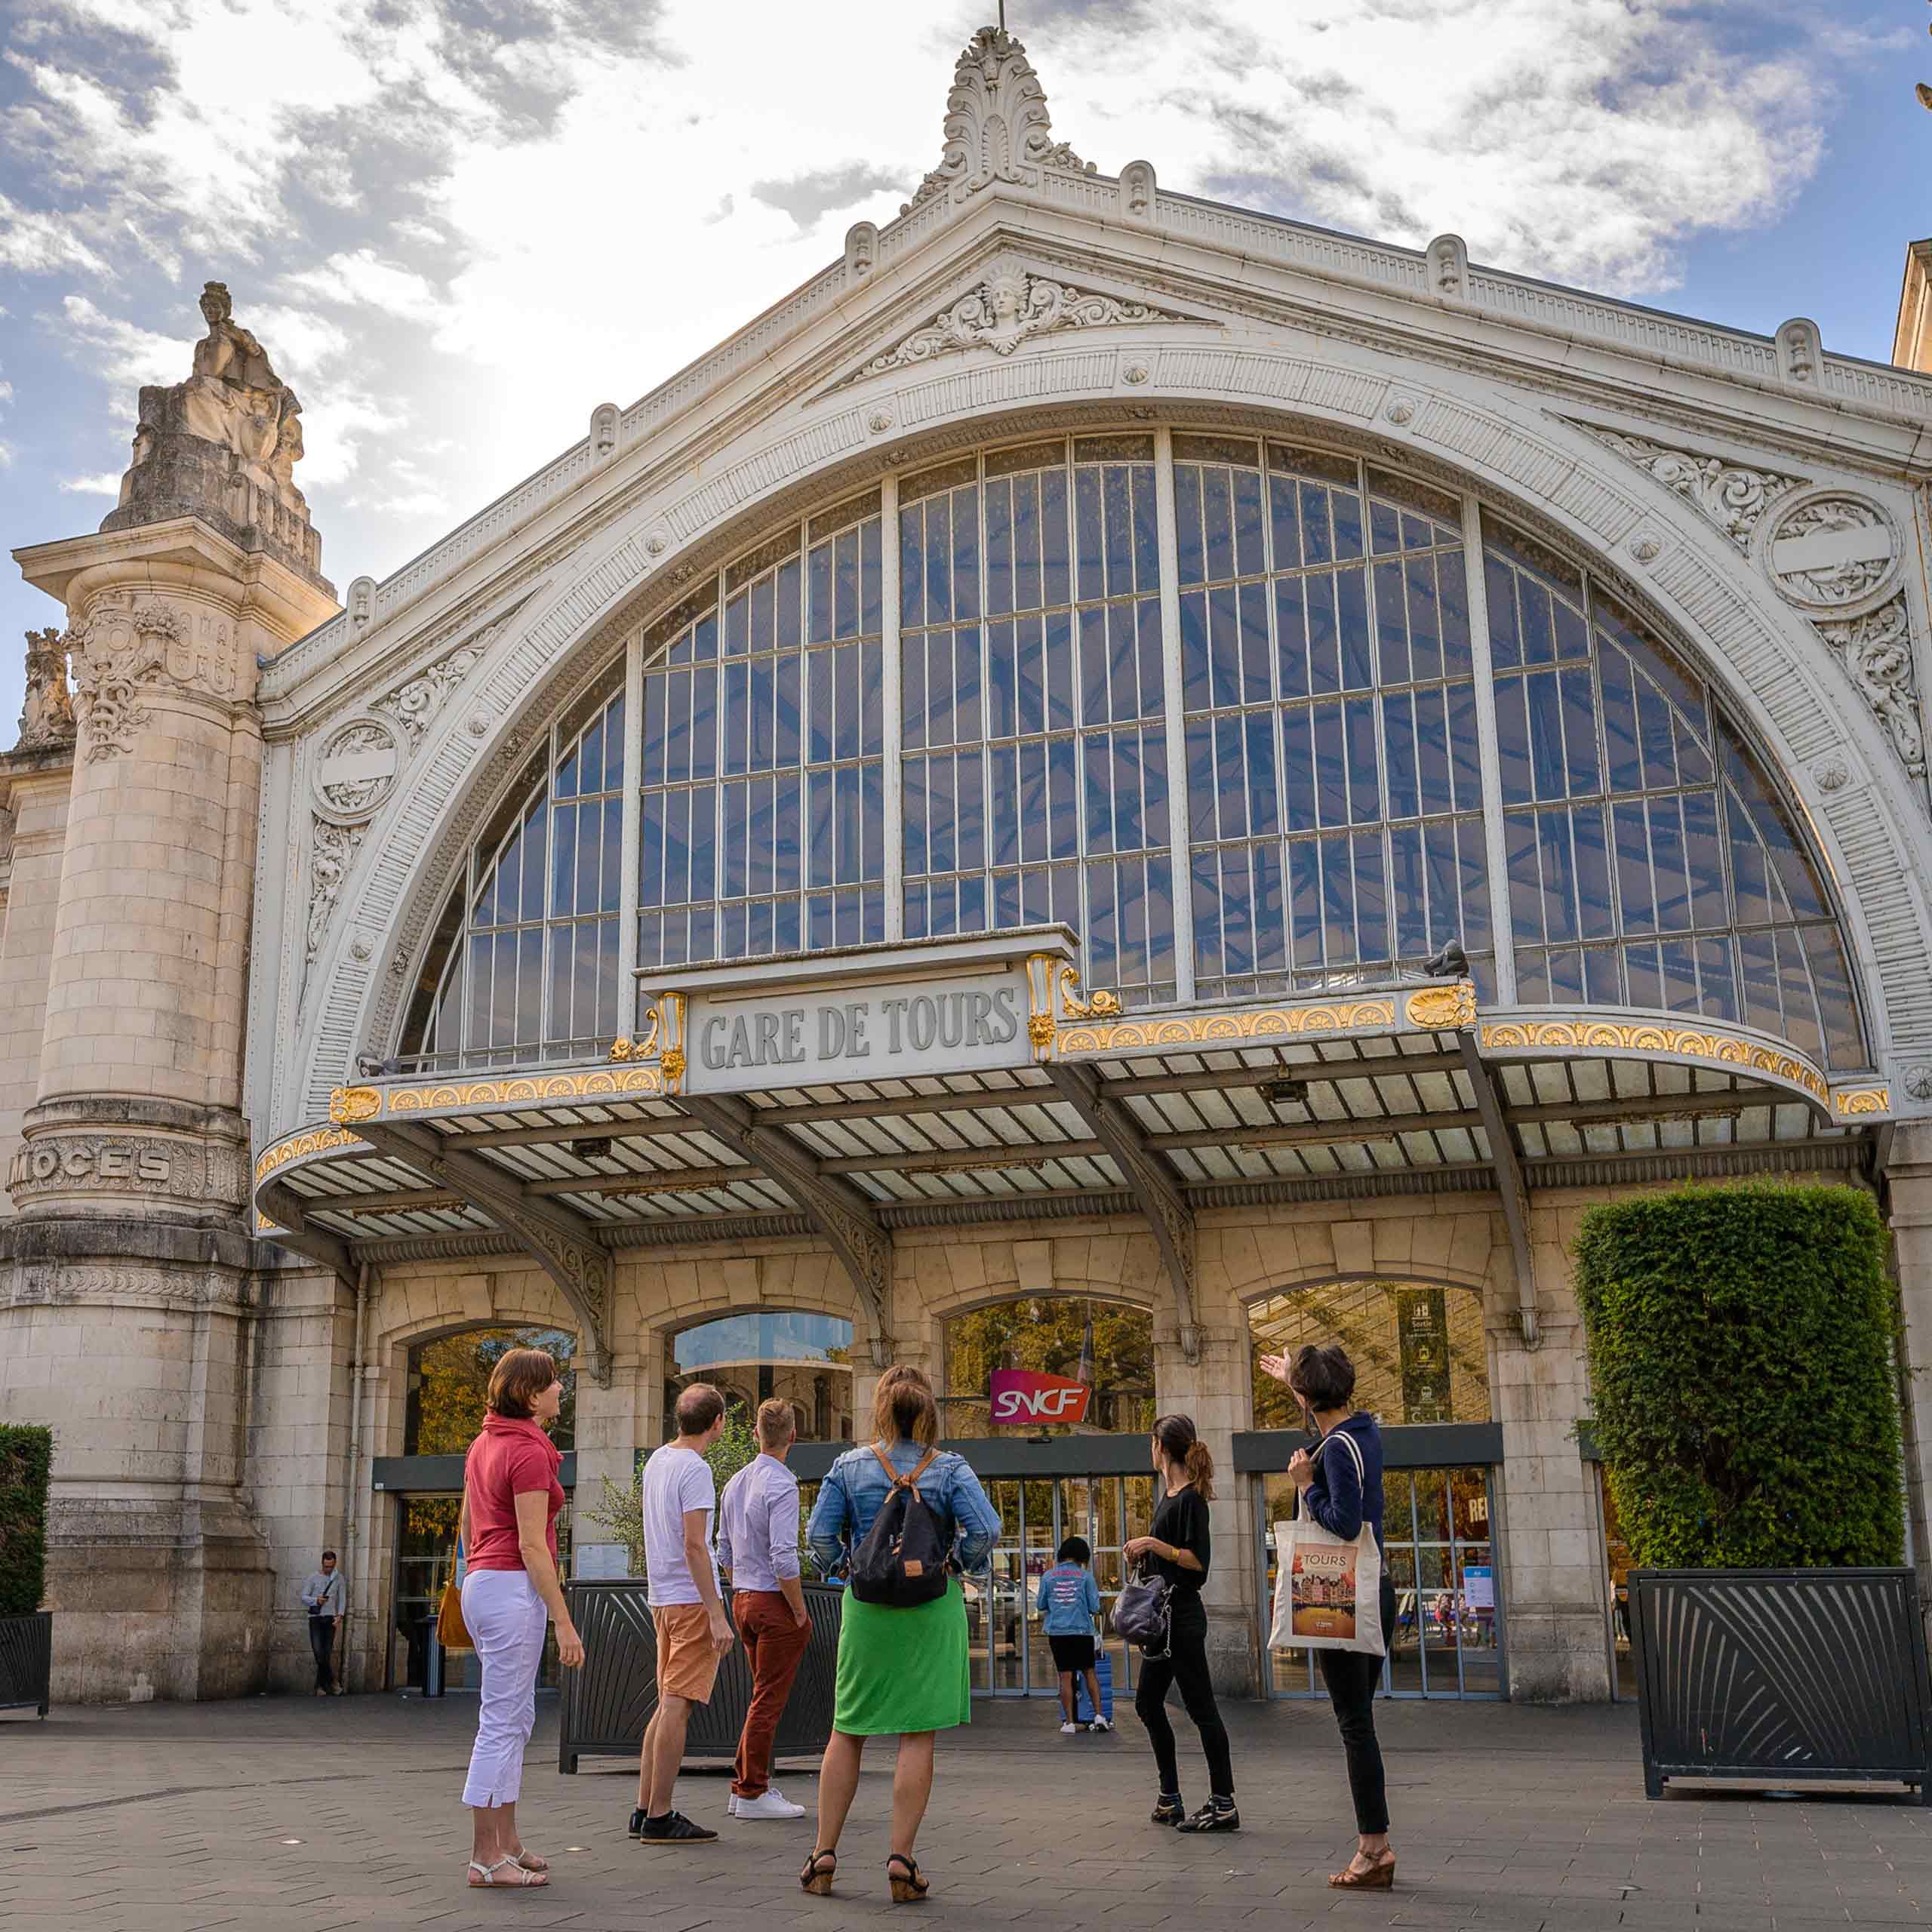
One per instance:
[(1512, 1182), (1150, 1179)]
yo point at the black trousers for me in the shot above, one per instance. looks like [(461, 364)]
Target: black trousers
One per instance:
[(1185, 1665), (1352, 1677), (321, 1641)]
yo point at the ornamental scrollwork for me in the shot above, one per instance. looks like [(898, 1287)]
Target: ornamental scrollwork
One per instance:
[(1009, 308), (1731, 496), (1875, 651), (415, 704), (997, 125), (47, 712), (331, 855), (1443, 1008), (1100, 1004), (1831, 552), (106, 698)]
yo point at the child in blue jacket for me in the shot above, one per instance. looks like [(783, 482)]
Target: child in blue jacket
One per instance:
[(1070, 1600)]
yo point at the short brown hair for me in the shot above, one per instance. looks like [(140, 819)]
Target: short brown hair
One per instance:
[(904, 1409), (520, 1376), (698, 1408), (776, 1422), (1322, 1375)]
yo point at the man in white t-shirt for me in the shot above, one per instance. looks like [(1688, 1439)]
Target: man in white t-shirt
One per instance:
[(686, 1608)]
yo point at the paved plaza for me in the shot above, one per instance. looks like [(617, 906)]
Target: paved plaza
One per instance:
[(303, 1815)]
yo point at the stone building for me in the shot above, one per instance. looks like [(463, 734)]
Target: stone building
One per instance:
[(1112, 778)]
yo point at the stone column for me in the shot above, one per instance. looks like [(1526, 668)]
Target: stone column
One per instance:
[(609, 1434), (1547, 1548), (131, 1184), (1215, 1392), (1909, 1199)]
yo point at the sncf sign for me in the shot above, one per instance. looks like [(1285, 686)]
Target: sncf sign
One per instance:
[(1024, 1395)]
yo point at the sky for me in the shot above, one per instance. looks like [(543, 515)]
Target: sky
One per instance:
[(458, 225)]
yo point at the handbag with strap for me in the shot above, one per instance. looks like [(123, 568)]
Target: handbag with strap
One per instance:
[(1328, 1588), (1143, 1611), (451, 1632)]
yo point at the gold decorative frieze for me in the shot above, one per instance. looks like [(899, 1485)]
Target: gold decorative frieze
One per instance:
[(296, 1146), (349, 1105), (1863, 1100), (1651, 1037), (1442, 1008), (1222, 1029)]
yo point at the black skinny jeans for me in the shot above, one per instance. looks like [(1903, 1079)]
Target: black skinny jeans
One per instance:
[(321, 1641), (1185, 1664), (1352, 1677)]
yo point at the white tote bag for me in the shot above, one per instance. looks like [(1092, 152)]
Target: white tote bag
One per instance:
[(1328, 1591)]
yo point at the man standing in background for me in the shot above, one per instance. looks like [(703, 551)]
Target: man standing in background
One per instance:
[(758, 1549), (687, 1609), (322, 1597)]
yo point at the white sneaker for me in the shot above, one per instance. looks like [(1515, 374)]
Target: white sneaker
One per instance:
[(731, 1805), (768, 1804), (1100, 1724), (1069, 1729)]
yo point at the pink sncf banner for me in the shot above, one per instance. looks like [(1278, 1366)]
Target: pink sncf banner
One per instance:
[(1025, 1395)]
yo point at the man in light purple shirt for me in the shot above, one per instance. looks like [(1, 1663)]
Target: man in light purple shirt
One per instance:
[(758, 1547)]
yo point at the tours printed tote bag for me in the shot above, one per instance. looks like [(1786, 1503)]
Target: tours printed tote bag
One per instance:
[(1327, 1590)]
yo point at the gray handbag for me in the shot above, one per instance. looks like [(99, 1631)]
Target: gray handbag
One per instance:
[(1143, 1612)]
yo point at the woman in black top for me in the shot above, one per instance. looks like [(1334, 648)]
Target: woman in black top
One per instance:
[(1179, 1549)]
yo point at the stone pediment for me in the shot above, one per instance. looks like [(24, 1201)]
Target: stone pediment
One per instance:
[(1010, 303)]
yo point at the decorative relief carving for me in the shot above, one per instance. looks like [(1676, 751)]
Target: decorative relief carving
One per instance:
[(1004, 311), (118, 648), (1139, 192), (1918, 1082), (47, 715), (331, 852), (1443, 1008), (1876, 650), (298, 1147), (997, 125), (1642, 1036), (356, 770), (1733, 497), (1863, 1100), (415, 704), (1353, 1015), (349, 1104), (1448, 258), (1831, 773), (43, 1287), (1831, 552), (1801, 348)]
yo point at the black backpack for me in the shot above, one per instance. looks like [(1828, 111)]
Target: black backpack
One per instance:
[(902, 1562)]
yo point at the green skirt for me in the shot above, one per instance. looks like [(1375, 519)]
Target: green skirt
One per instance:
[(901, 1671)]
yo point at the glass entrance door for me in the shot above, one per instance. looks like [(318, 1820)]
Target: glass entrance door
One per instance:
[(425, 1557), (1010, 1656), (1447, 1641)]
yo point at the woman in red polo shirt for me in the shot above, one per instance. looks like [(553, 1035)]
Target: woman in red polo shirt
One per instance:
[(511, 1498)]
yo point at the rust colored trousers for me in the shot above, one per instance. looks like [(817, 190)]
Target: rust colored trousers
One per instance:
[(774, 1648)]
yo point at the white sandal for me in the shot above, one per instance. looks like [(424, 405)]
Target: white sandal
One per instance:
[(483, 1876)]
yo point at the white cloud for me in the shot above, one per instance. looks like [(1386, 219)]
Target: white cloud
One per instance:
[(362, 279), (123, 352), (106, 484)]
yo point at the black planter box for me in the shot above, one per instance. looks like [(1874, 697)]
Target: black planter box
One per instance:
[(1779, 1675), (27, 1661), (605, 1705)]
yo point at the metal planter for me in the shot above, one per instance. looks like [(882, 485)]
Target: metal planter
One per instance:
[(1779, 1675), (606, 1704), (27, 1661)]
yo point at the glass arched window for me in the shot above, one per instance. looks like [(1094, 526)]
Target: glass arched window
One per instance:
[(1419, 1353), (527, 957), (1651, 863), (449, 1377), (804, 1358), (979, 720), (1107, 1344)]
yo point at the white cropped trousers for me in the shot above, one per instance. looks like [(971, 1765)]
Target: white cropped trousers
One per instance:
[(507, 1620)]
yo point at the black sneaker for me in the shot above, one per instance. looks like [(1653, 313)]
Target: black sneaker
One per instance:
[(637, 1822), (1218, 1815), (1168, 1810), (674, 1828)]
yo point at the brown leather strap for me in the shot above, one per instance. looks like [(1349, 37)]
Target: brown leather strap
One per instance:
[(911, 1481)]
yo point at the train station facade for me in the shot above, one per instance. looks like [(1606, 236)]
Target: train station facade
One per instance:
[(1113, 782)]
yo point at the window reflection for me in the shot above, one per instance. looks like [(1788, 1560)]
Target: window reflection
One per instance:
[(805, 1359), (450, 1377)]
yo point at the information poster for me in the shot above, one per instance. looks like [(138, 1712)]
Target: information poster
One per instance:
[(1422, 1327)]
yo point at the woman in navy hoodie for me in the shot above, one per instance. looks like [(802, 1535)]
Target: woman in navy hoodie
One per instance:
[(1323, 1380)]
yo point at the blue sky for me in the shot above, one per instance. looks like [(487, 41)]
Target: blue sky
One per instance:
[(458, 225)]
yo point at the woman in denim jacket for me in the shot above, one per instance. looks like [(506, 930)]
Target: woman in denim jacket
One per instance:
[(901, 1672)]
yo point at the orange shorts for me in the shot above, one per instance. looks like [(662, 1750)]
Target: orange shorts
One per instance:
[(687, 1657)]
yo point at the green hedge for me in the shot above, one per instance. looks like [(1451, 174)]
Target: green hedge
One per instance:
[(26, 1459), (1741, 1353)]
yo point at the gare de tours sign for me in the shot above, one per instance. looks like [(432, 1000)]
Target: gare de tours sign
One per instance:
[(893, 1012)]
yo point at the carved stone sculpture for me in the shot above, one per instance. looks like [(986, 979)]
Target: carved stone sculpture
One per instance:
[(1833, 551), (997, 126), (47, 717), (1732, 496), (222, 446), (1876, 652), (1004, 311)]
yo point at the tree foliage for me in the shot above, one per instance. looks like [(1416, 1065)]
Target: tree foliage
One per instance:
[(1045, 1332), (1741, 1344), (26, 1464), (451, 1376)]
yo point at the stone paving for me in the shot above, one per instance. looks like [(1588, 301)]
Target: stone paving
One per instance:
[(302, 1815)]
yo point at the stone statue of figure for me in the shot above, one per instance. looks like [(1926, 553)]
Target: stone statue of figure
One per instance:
[(47, 718), (222, 446)]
